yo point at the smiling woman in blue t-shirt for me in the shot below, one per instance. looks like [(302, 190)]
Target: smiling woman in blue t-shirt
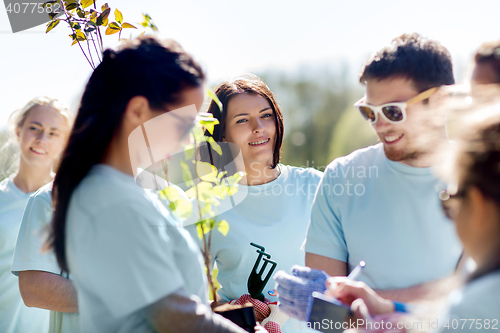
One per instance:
[(276, 207), (135, 269), (40, 129)]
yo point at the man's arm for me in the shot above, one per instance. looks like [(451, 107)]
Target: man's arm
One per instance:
[(331, 266), (431, 291), (47, 291)]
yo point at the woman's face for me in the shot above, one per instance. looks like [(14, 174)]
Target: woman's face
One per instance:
[(251, 124), (42, 136)]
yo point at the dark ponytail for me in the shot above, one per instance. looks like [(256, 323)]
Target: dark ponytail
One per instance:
[(156, 69)]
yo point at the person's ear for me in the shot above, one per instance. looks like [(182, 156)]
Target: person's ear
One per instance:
[(137, 111), (478, 204), (18, 133)]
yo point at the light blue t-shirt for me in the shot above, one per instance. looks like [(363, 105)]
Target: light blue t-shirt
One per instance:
[(387, 214), (274, 215), (29, 256), (14, 315), (125, 252), (475, 307)]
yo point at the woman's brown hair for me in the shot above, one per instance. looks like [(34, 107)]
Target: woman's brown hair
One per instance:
[(249, 84)]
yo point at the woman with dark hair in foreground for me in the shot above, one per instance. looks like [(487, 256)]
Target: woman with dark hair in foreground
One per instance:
[(134, 268)]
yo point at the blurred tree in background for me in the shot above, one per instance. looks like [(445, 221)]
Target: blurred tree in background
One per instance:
[(320, 121)]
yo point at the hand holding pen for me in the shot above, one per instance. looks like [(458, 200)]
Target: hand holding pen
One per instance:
[(347, 290)]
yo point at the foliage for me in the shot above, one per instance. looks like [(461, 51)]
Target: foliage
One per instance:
[(85, 21), (313, 99), (208, 188), (351, 132)]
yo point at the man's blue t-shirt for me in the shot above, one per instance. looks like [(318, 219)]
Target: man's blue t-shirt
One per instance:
[(387, 214)]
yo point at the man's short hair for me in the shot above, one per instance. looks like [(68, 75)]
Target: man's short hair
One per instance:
[(489, 52), (424, 61)]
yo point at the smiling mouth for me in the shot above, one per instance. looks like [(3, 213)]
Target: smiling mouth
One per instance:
[(392, 139), (38, 151), (258, 143)]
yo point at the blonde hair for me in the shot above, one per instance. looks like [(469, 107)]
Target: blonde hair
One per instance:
[(9, 153)]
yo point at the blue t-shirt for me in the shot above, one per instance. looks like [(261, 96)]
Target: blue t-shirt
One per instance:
[(474, 308), (14, 315), (29, 254), (387, 214), (125, 252), (274, 215)]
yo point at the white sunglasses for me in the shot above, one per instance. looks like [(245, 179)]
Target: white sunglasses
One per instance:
[(392, 112)]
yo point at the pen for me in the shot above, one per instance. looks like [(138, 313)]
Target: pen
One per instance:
[(356, 271)]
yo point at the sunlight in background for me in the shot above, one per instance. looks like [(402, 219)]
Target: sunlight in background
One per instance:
[(231, 38)]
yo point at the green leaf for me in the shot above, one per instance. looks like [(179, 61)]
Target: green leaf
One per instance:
[(115, 26), (187, 177), (80, 12), (209, 124), (199, 134), (52, 15), (215, 146), (51, 25), (126, 25), (199, 230), (148, 22), (111, 31), (206, 209), (205, 191), (80, 36), (171, 194), (75, 25), (207, 172), (105, 6), (86, 3), (214, 97), (103, 18), (182, 209), (118, 16), (220, 191), (223, 227), (72, 6), (207, 226), (234, 179)]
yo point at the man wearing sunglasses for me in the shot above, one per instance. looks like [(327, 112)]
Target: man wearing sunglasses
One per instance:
[(393, 222)]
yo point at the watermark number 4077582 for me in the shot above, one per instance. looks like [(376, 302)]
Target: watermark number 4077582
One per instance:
[(25, 15)]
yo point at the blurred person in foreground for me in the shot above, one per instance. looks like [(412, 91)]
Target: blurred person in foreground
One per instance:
[(134, 267), (487, 63), (378, 204), (39, 129), (472, 201)]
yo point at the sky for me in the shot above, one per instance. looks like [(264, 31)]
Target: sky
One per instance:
[(230, 38)]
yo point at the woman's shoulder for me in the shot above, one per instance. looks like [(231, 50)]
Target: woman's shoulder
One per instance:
[(103, 188), (5, 184), (477, 299)]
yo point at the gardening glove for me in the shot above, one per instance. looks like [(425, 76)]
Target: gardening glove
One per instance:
[(275, 321), (295, 291), (261, 309)]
